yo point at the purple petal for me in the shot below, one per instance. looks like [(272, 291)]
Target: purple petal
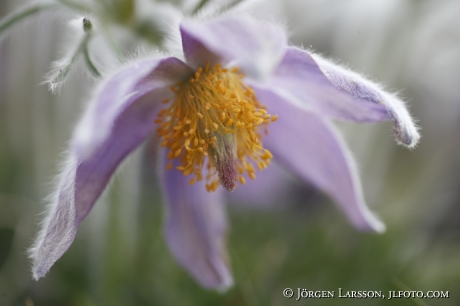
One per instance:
[(309, 146), (118, 93), (132, 114), (254, 46), (59, 227), (342, 94), (196, 54), (84, 180), (271, 187), (129, 130), (196, 228)]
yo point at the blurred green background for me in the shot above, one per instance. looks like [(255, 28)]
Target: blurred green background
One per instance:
[(301, 240)]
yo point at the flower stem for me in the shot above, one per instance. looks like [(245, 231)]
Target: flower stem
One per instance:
[(82, 48), (200, 6), (89, 63), (15, 17), (232, 5)]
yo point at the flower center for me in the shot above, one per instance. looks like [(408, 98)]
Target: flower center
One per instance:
[(214, 114)]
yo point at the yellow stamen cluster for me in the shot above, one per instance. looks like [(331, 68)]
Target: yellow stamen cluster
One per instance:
[(214, 102)]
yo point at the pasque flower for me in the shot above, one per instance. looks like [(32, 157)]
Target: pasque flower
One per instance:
[(238, 98)]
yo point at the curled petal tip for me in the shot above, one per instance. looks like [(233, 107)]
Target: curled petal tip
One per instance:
[(381, 228), (373, 225), (225, 284), (344, 94), (408, 136), (38, 271), (42, 263)]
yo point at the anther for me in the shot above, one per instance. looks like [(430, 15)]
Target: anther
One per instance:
[(215, 114)]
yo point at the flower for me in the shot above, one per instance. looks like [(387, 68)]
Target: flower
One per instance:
[(210, 112)]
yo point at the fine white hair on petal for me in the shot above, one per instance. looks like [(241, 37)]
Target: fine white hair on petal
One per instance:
[(162, 15), (137, 56), (165, 18), (173, 43), (403, 124), (58, 228)]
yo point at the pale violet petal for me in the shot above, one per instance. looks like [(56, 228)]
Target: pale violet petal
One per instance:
[(308, 146), (59, 227), (342, 94), (256, 47), (118, 93), (196, 229), (196, 54), (271, 188), (130, 129), (83, 181)]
